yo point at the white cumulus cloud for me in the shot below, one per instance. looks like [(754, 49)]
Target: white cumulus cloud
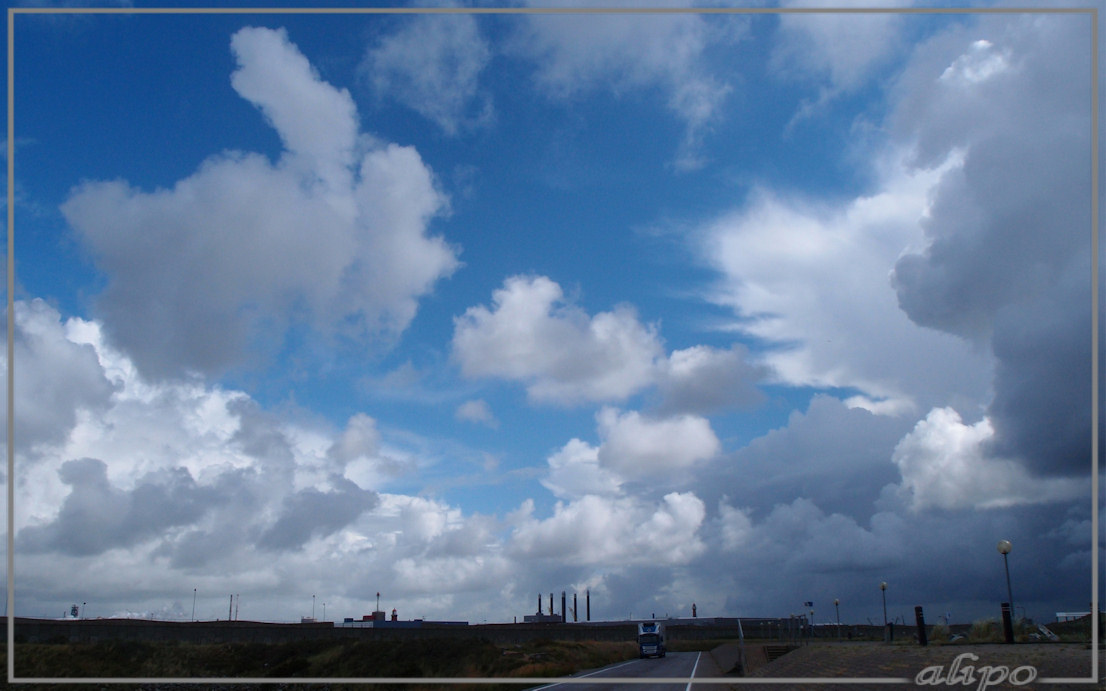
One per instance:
[(625, 530), (59, 376), (533, 335), (314, 119), (641, 448), (945, 464), (734, 525), (563, 355), (633, 448), (334, 235), (165, 480), (575, 471), (812, 281)]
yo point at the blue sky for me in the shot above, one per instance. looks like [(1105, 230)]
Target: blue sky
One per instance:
[(737, 310)]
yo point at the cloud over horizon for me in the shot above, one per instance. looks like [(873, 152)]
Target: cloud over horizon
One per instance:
[(804, 320)]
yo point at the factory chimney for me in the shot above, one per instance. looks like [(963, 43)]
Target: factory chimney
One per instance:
[(587, 602), (574, 610), (539, 603), (563, 618), (551, 604)]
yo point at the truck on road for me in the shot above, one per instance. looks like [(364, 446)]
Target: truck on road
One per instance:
[(650, 639)]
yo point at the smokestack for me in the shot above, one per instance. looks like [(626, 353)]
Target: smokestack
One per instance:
[(539, 603), (563, 618), (574, 610), (230, 608), (588, 602), (550, 604)]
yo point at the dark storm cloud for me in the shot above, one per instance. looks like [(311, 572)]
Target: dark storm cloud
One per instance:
[(1042, 407), (97, 515), (311, 513), (832, 454), (1009, 232), (638, 593), (1001, 230), (225, 529), (941, 560), (706, 380)]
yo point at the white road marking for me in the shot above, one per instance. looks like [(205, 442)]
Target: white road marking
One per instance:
[(689, 683), (605, 669)]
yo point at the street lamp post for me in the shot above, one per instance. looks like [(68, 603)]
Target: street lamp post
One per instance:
[(883, 589), (1004, 548), (193, 604), (837, 608)]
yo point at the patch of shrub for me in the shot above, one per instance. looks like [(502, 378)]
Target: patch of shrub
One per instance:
[(940, 634), (985, 631)]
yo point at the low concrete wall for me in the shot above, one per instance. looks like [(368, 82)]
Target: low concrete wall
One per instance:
[(91, 630)]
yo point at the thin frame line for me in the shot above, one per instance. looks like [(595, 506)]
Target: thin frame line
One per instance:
[(1092, 11), (1095, 633), (10, 602), (552, 10), (467, 680)]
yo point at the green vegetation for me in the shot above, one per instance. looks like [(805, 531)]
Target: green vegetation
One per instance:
[(985, 631), (317, 659), (939, 634)]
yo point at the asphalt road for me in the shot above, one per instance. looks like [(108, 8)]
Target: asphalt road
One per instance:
[(674, 666)]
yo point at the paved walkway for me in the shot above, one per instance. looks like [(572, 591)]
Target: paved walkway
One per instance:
[(877, 661)]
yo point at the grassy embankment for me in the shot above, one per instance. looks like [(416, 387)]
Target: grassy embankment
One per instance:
[(316, 659), (990, 631)]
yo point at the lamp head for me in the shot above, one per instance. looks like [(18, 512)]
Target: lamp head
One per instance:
[(1004, 546), (883, 586)]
